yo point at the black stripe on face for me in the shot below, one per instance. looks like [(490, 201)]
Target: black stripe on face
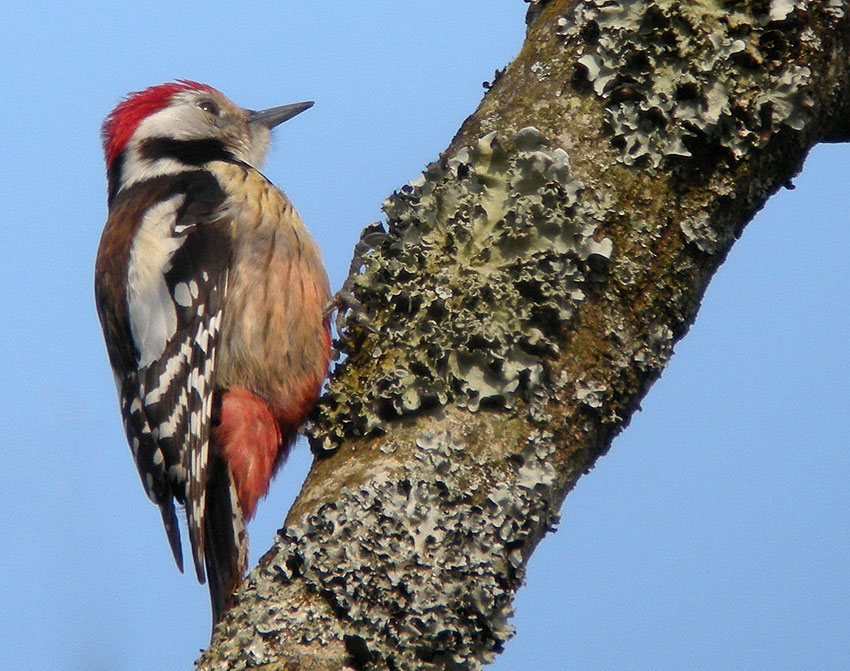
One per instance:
[(190, 152)]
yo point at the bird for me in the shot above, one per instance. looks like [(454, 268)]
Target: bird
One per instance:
[(212, 298)]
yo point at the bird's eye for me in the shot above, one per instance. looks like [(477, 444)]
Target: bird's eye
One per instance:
[(209, 107)]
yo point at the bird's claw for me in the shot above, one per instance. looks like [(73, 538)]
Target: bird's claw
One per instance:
[(344, 304)]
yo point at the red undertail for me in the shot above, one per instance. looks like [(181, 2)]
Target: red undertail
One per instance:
[(248, 437)]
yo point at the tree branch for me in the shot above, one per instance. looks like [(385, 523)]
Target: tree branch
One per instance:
[(528, 290)]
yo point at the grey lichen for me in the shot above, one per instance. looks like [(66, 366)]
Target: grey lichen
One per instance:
[(782, 9), (419, 563), (699, 232), (590, 393), (690, 79), (658, 350), (472, 288)]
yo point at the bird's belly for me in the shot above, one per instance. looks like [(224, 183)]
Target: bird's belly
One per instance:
[(275, 340)]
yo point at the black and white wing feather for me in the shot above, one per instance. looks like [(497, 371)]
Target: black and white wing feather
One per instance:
[(175, 288)]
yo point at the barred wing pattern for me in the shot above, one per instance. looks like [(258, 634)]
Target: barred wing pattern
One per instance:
[(174, 289)]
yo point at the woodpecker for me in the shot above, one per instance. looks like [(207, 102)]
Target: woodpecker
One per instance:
[(211, 294)]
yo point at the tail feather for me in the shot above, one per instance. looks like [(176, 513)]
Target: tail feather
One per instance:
[(172, 530), (225, 538)]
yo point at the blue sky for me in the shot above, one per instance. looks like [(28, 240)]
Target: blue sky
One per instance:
[(714, 535)]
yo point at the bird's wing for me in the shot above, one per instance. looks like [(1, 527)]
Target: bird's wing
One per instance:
[(175, 286)]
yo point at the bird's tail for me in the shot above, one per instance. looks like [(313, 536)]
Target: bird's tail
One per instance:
[(225, 537)]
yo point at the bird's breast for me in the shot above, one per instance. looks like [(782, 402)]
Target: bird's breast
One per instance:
[(274, 339)]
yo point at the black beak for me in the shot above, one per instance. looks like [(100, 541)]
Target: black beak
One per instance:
[(275, 116)]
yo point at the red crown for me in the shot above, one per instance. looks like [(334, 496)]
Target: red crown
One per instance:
[(122, 122)]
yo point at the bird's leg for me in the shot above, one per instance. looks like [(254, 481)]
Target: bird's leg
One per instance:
[(344, 302)]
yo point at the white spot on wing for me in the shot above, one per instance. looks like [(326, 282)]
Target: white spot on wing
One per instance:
[(203, 340), (182, 295), (166, 430)]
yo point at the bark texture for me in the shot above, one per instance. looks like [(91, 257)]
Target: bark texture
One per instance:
[(525, 292)]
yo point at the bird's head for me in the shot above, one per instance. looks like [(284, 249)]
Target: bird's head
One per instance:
[(167, 127)]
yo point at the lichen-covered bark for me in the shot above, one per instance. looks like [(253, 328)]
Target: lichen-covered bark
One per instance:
[(523, 296)]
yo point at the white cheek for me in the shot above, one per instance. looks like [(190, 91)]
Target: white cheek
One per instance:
[(255, 153), (153, 315), (181, 122)]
